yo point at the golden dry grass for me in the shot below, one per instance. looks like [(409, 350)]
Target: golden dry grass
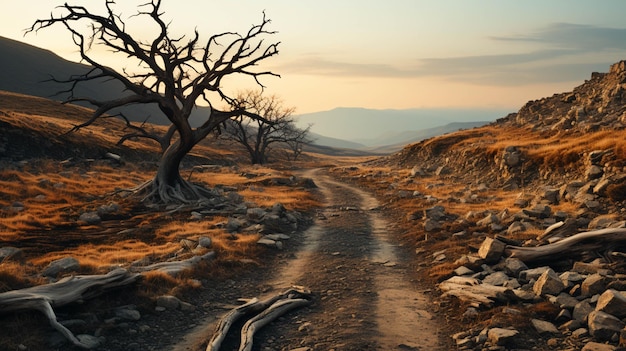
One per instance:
[(44, 198)]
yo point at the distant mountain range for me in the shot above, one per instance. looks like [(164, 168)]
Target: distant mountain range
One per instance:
[(374, 128), (27, 69)]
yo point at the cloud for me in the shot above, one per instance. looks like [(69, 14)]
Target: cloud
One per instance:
[(563, 52), (574, 36)]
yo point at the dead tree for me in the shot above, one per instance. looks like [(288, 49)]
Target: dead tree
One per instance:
[(257, 135), (174, 73)]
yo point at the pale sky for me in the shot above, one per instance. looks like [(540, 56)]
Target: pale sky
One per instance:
[(393, 54)]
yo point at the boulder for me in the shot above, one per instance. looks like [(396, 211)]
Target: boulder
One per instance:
[(90, 218), (603, 326), (612, 302), (593, 284), (491, 250), (596, 346), (64, 265), (501, 336), (514, 266), (582, 311), (548, 283), (168, 301), (543, 327)]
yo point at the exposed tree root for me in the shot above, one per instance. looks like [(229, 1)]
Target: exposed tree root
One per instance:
[(71, 289), (183, 192), (263, 313)]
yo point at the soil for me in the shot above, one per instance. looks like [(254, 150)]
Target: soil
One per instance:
[(367, 295)]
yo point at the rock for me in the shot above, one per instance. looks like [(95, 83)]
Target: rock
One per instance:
[(587, 268), (460, 271), (603, 326), (570, 278), (491, 250), (255, 215), (64, 265), (205, 242), (594, 172), (90, 218), (593, 284), (516, 227), (108, 209), (513, 266), (582, 311), (127, 314), (501, 336), (277, 237), (488, 220), (564, 300), (551, 196), (596, 346), (533, 273), (266, 242), (233, 225), (612, 302), (431, 225), (10, 253), (168, 301), (548, 283), (436, 212), (497, 279), (543, 327)]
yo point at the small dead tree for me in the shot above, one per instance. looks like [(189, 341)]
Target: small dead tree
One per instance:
[(272, 125), (173, 72)]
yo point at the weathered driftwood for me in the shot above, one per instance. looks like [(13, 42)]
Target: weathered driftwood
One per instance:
[(264, 312), (45, 297), (471, 290), (175, 267), (257, 322), (593, 241)]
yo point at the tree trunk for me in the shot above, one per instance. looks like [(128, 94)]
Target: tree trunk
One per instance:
[(168, 186)]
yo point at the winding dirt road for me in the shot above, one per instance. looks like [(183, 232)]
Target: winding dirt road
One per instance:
[(365, 296)]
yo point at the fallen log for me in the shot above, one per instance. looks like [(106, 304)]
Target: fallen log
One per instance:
[(575, 245), (257, 322), (473, 291), (45, 297), (265, 311), (175, 267)]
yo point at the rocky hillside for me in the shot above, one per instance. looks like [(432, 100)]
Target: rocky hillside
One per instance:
[(598, 104), (574, 139), (517, 209)]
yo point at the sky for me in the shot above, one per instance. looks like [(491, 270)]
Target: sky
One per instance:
[(394, 54)]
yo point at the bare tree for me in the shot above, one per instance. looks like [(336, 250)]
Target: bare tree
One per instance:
[(257, 135), (172, 72)]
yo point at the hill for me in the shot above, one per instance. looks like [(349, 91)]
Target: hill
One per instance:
[(374, 128), (27, 69)]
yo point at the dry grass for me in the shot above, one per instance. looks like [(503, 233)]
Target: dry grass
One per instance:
[(44, 198)]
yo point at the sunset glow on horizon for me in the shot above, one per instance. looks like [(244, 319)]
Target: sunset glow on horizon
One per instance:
[(391, 55)]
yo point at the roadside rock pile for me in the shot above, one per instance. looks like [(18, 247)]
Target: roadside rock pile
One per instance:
[(590, 296)]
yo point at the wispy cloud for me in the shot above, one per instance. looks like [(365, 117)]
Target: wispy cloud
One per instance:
[(562, 52), (574, 36)]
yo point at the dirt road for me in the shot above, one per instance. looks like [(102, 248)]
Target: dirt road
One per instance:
[(365, 296)]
